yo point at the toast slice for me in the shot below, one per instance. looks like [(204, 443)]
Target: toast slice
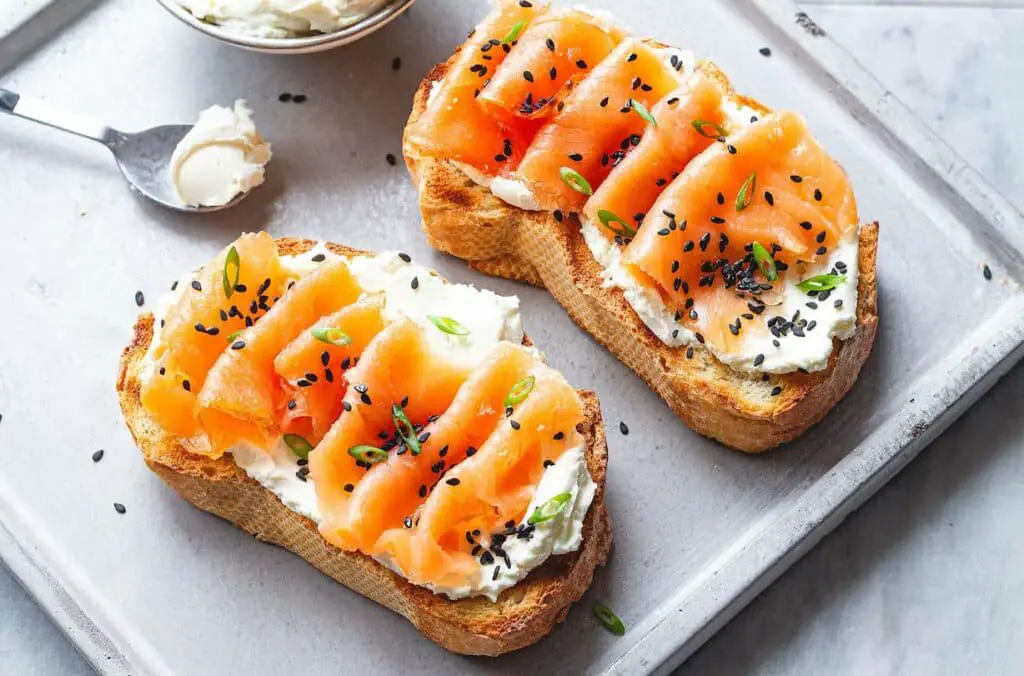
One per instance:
[(464, 219), (522, 614)]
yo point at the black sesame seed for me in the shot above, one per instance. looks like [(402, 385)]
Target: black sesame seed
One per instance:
[(820, 238), (423, 490), (547, 463), (528, 76), (284, 97), (196, 285), (806, 225), (559, 436), (365, 398), (623, 427), (576, 157), (777, 390), (452, 482), (550, 44), (817, 194), (415, 283), (765, 51), (396, 63), (486, 558), (821, 251), (346, 405), (186, 385), (119, 508), (796, 179), (470, 452), (391, 159), (515, 424), (140, 299), (349, 488), (986, 271), (407, 522), (405, 257), (97, 456), (581, 63), (758, 360), (769, 198), (238, 345)]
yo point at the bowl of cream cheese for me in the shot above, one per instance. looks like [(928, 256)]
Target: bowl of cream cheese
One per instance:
[(286, 26)]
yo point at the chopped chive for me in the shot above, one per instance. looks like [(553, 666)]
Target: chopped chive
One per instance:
[(702, 125), (298, 444), (520, 391), (368, 454), (574, 180), (609, 619), (513, 34), (607, 219), (550, 509), (821, 283), (746, 194), (405, 428), (231, 262), (765, 261), (448, 325), (332, 336), (234, 336), (642, 111)]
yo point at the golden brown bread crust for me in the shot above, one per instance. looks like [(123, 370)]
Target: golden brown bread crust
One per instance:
[(522, 615), (466, 220)]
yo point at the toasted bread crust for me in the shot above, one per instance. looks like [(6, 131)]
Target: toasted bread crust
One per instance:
[(475, 626), (466, 220)]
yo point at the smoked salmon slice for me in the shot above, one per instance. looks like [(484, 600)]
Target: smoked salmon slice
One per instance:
[(397, 369), (315, 364), (242, 393), (554, 52), (603, 117), (455, 125), (663, 152), (392, 491), (769, 183), (480, 502)]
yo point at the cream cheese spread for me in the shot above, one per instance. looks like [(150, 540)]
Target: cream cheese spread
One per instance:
[(221, 156), (490, 319), (280, 18)]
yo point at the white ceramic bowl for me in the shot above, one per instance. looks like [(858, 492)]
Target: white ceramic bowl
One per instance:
[(388, 10)]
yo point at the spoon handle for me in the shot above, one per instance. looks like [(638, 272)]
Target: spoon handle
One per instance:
[(37, 111)]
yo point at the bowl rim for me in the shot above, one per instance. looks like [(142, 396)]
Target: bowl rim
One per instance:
[(342, 36)]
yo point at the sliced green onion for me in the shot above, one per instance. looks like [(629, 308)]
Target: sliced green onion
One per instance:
[(550, 509), (821, 283), (623, 230), (332, 336), (609, 619), (746, 194), (232, 262), (702, 125), (448, 325), (234, 336), (368, 454), (520, 391), (405, 429), (765, 262), (513, 34), (642, 111), (574, 180), (298, 444)]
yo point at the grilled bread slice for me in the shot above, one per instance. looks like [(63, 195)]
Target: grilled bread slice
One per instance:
[(464, 219), (522, 614)]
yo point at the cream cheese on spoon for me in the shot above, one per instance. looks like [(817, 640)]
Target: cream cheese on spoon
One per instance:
[(222, 156)]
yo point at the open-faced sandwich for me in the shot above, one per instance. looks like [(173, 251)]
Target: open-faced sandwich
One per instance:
[(397, 431), (710, 243)]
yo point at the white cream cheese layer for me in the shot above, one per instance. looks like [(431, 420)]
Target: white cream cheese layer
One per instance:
[(280, 18), (221, 156), (490, 319)]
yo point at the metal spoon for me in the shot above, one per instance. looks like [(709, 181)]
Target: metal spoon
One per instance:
[(143, 157)]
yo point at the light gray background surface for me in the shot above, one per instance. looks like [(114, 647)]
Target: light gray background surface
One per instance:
[(929, 576)]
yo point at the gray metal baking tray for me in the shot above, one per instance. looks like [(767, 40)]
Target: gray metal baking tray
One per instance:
[(700, 530)]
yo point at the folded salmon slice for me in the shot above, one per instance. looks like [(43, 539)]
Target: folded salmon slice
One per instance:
[(769, 183), (600, 120), (552, 54), (233, 290), (242, 393), (392, 491), (460, 527), (315, 364), (398, 367), (663, 152), (454, 125)]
